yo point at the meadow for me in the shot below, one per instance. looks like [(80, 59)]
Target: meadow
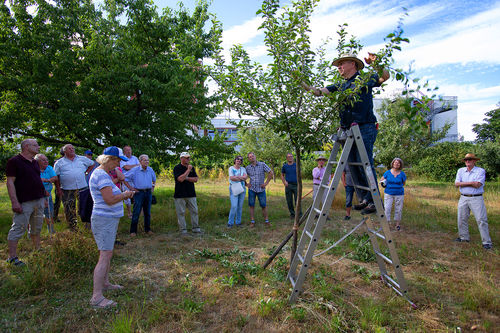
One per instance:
[(215, 282)]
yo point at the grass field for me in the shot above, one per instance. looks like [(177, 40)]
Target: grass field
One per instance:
[(215, 283)]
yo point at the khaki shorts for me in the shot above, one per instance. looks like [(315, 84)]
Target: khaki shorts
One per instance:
[(32, 215)]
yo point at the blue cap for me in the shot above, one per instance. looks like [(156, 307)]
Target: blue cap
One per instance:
[(114, 151), (88, 152)]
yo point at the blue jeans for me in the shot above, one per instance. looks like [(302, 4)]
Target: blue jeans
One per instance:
[(142, 200), (349, 193), (236, 207), (260, 195), (369, 135), (48, 212)]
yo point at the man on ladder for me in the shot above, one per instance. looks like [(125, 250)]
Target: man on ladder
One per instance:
[(360, 112)]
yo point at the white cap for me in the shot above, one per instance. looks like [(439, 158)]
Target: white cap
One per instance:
[(185, 154)]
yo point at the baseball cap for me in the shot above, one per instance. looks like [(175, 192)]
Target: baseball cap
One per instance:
[(114, 151), (185, 154), (88, 152)]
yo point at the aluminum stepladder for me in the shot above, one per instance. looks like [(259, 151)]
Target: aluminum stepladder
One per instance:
[(319, 213)]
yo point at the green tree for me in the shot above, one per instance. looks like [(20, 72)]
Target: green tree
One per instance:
[(401, 137), (274, 94), (442, 161), (209, 153), (268, 146), (489, 152), (70, 72), (490, 129)]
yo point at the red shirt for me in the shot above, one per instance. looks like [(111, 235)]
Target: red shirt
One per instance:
[(28, 183)]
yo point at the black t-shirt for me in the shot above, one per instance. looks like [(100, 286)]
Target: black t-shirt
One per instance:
[(184, 189), (362, 111), (28, 183)]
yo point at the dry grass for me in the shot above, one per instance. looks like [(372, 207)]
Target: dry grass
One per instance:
[(213, 284)]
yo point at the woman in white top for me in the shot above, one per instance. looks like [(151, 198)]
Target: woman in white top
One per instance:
[(106, 214), (237, 191)]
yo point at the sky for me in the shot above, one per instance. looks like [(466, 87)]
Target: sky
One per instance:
[(454, 44)]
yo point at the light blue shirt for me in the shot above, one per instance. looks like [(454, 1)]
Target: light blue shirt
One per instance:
[(475, 175), (131, 161), (237, 172), (47, 174), (99, 180), (72, 173), (143, 178)]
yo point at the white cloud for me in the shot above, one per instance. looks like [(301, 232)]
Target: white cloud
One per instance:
[(473, 39), (471, 113), (243, 33)]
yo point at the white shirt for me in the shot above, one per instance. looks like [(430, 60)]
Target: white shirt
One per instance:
[(131, 161), (477, 174), (72, 172)]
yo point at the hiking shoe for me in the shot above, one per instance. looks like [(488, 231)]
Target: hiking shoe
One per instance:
[(487, 246), (460, 240), (369, 209), (347, 218), (16, 262), (360, 206)]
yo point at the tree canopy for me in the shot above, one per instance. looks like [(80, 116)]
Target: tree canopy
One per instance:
[(115, 75), (490, 129)]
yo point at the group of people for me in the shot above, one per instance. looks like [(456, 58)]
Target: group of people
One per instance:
[(117, 176)]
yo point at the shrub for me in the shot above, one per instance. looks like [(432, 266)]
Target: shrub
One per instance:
[(442, 161), (489, 152)]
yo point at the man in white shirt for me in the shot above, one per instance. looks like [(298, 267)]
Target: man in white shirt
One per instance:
[(471, 181), (71, 171)]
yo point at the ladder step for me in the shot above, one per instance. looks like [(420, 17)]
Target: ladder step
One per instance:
[(334, 162), (309, 234), (394, 283), (376, 233), (317, 210), (363, 187), (300, 258), (355, 163), (325, 186), (389, 261), (291, 280)]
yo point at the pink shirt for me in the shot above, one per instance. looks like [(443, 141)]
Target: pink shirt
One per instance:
[(318, 175)]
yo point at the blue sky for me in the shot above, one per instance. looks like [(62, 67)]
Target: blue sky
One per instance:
[(455, 44)]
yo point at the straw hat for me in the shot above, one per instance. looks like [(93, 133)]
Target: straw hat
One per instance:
[(470, 157), (359, 64), (322, 158)]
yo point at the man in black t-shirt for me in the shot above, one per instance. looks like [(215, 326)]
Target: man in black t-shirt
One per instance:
[(27, 196), (185, 195)]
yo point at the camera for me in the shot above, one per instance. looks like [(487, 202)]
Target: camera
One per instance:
[(383, 183)]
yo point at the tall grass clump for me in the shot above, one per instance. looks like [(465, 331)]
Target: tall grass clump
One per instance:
[(68, 257)]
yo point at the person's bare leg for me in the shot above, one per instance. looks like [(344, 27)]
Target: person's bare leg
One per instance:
[(252, 211), (348, 211), (264, 213), (12, 248), (100, 275)]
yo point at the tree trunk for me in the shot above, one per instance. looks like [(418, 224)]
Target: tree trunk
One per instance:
[(298, 204)]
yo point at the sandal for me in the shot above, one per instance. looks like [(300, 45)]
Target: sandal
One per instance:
[(103, 303), (398, 227), (16, 262)]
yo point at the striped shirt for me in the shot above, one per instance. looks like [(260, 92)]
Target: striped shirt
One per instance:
[(257, 174), (99, 180)]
